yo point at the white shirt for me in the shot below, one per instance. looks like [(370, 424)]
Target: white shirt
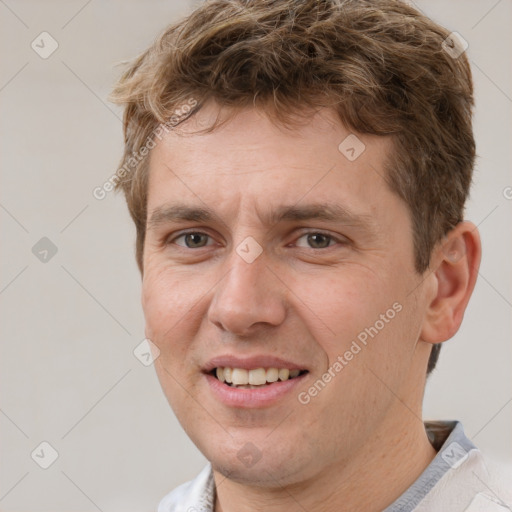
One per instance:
[(457, 480)]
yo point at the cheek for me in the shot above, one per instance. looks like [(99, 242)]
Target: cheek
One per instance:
[(167, 299), (362, 317), (339, 304), (169, 303)]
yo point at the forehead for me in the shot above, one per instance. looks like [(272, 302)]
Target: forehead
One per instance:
[(252, 158)]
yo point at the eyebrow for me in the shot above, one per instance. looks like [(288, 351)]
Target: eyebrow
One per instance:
[(326, 212), (172, 213)]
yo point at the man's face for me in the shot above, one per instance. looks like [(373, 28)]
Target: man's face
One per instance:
[(268, 248)]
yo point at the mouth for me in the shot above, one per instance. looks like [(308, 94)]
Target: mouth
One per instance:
[(255, 382), (256, 378)]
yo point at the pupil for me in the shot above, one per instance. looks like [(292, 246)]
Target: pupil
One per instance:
[(319, 240), (194, 240)]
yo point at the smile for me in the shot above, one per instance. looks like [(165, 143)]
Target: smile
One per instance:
[(254, 378)]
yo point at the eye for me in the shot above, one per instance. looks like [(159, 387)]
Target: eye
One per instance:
[(193, 240), (316, 240)]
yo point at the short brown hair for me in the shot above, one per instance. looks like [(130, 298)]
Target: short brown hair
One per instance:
[(381, 64)]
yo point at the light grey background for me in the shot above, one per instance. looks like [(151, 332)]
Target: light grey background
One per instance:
[(70, 325)]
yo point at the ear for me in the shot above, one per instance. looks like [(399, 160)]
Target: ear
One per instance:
[(454, 269)]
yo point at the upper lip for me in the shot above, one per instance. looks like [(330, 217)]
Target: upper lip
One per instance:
[(250, 363)]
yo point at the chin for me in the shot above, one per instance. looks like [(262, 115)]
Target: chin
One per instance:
[(261, 474), (274, 465)]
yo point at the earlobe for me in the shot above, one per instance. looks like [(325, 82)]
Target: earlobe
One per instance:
[(454, 269)]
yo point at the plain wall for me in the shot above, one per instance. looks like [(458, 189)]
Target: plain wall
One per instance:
[(70, 324)]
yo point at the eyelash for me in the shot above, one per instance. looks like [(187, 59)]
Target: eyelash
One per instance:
[(304, 234)]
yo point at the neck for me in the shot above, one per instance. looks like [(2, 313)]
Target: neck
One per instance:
[(381, 471)]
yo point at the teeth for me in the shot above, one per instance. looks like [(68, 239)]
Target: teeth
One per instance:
[(240, 376), (284, 374), (272, 375), (257, 377), (220, 374)]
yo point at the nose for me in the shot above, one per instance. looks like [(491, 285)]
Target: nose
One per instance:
[(249, 296)]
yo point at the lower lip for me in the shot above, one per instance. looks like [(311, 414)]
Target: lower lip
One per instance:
[(252, 398)]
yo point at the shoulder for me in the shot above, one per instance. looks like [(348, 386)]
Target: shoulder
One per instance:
[(459, 478), (197, 495), (478, 485), (499, 480), (471, 482)]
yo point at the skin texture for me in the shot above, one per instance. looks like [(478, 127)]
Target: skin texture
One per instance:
[(360, 442)]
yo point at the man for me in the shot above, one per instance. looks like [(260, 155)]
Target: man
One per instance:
[(297, 173)]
